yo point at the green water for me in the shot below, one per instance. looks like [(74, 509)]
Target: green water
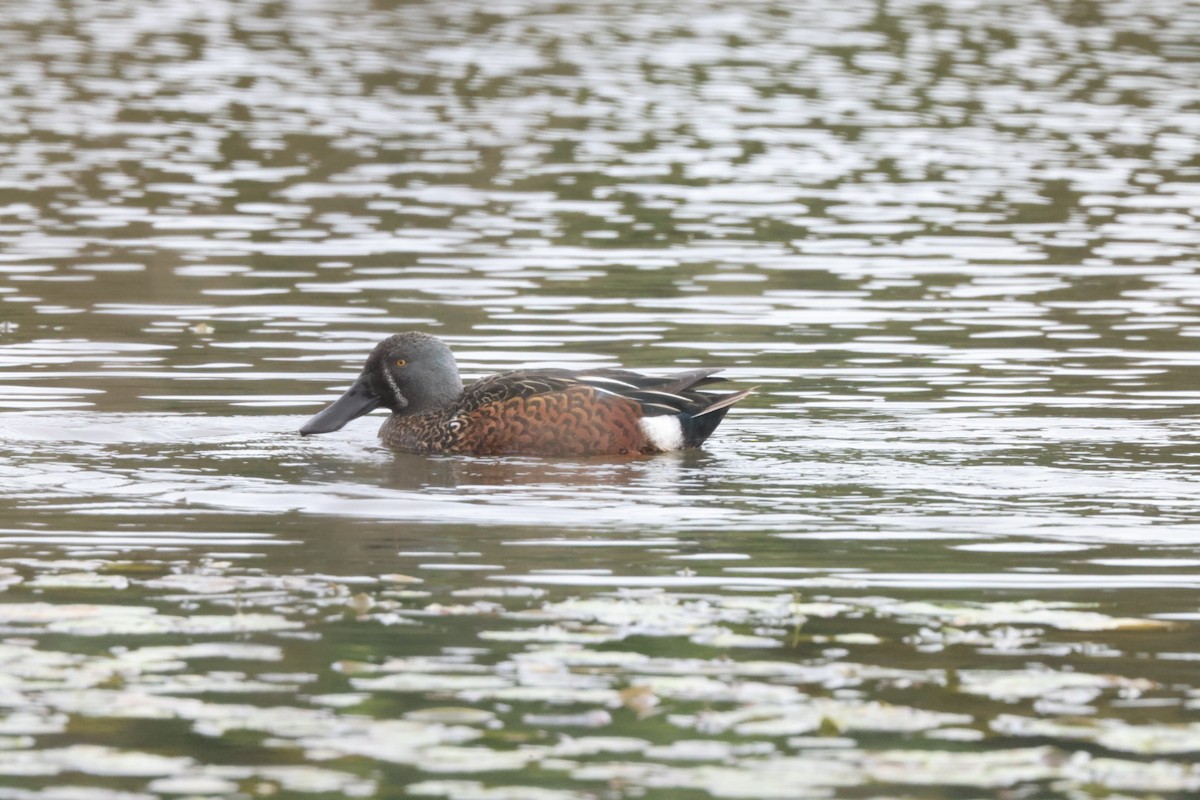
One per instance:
[(948, 550)]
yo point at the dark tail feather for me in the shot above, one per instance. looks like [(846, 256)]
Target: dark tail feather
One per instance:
[(698, 427), (683, 381)]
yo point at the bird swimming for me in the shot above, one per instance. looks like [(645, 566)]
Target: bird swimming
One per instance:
[(531, 411)]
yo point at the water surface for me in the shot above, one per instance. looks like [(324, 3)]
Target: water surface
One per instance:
[(949, 549)]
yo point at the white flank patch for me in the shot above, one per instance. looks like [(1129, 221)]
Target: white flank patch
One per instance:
[(664, 432)]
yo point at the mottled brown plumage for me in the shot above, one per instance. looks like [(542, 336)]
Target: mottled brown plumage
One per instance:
[(546, 412), (569, 421)]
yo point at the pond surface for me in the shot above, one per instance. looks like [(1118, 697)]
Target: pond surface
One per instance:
[(950, 549)]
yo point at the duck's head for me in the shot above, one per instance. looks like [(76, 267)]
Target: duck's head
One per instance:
[(409, 373)]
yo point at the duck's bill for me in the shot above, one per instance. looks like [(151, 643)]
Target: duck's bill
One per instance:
[(358, 400)]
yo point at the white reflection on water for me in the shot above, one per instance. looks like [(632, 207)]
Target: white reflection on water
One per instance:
[(954, 244)]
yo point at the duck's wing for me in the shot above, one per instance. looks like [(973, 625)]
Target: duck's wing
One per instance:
[(636, 381), (668, 394), (508, 385)]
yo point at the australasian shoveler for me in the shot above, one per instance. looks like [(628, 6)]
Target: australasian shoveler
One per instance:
[(533, 411)]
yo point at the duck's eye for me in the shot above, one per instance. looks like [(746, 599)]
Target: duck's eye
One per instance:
[(400, 362)]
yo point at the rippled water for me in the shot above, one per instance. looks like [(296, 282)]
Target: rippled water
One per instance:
[(949, 549)]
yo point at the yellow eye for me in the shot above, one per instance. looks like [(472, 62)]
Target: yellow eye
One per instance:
[(400, 362)]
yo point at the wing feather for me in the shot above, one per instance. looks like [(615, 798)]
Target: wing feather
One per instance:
[(656, 395)]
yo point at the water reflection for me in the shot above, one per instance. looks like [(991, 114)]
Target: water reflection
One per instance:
[(954, 245)]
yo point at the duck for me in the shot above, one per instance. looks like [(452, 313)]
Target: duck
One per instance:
[(548, 412)]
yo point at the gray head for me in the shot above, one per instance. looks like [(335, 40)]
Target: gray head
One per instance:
[(413, 373), (409, 373)]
